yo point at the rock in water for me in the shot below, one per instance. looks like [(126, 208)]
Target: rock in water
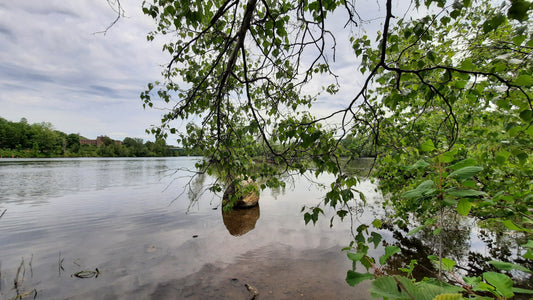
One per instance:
[(250, 197)]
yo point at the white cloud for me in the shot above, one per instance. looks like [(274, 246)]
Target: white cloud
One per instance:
[(55, 69)]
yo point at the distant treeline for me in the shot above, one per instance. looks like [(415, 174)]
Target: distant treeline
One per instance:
[(20, 139)]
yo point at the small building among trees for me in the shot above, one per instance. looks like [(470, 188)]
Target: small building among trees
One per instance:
[(100, 140)]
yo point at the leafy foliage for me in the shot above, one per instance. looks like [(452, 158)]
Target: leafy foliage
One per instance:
[(20, 139), (445, 107)]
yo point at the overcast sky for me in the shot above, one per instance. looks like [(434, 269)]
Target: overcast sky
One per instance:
[(54, 68)]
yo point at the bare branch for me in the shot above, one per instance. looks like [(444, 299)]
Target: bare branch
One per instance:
[(117, 8)]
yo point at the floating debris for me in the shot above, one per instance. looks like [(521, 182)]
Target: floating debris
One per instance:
[(87, 274), (253, 291)]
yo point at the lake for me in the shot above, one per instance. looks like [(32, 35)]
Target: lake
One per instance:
[(97, 228), (143, 228)]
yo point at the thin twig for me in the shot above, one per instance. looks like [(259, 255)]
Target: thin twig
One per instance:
[(120, 13)]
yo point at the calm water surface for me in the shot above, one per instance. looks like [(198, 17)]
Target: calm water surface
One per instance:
[(134, 221)]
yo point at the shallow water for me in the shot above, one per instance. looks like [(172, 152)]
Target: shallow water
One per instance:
[(134, 221), (124, 218)]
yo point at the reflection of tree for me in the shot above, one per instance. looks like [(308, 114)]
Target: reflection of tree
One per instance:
[(195, 188), (456, 245), (412, 248), (288, 180), (501, 245), (498, 244)]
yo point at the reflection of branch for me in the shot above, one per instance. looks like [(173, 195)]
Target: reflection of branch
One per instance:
[(3, 213), (118, 10)]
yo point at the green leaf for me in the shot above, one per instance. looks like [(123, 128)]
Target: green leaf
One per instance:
[(529, 244), (461, 84), (355, 256), (429, 291), (386, 287), (526, 115), (508, 266), (469, 183), (427, 146), (519, 39), (524, 80), (375, 238), (367, 262), (353, 278), (529, 43), (401, 287), (463, 163), (424, 189), (464, 206), (493, 23), (430, 221), (519, 10), (472, 280), (522, 291), (447, 264), (522, 156), (377, 223), (448, 201), (421, 164), (484, 287), (448, 297), (528, 254), (415, 230), (466, 193), (465, 172), (502, 283), (307, 218), (467, 65), (389, 251), (502, 156), (512, 226), (448, 157)]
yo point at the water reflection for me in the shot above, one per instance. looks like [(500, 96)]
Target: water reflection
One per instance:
[(35, 181), (462, 241), (139, 235), (240, 221)]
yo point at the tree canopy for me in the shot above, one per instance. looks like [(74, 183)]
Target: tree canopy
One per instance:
[(22, 140), (444, 104)]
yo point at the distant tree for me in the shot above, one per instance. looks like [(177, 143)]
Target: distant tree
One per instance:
[(160, 148), (136, 146), (107, 141), (73, 142), (44, 136)]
